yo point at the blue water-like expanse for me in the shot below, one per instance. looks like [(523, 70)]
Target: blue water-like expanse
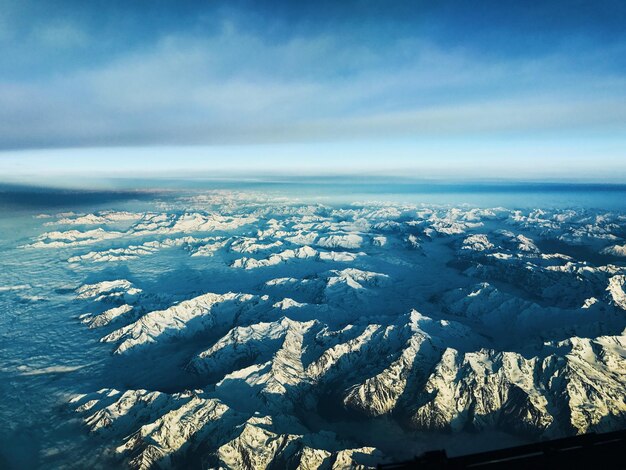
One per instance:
[(48, 355)]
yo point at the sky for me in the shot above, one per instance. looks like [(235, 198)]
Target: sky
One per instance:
[(439, 88)]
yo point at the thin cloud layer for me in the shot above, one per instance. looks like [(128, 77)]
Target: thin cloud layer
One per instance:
[(242, 73), (239, 88)]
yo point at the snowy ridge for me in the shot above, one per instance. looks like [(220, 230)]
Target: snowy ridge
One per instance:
[(104, 289), (304, 252), (428, 319), (488, 388), (210, 309), (348, 285), (104, 318), (615, 250), (182, 425)]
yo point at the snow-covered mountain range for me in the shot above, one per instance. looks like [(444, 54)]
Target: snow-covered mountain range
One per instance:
[(318, 329)]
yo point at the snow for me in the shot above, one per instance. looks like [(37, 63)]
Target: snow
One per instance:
[(424, 318), (616, 290), (172, 321), (101, 218), (106, 288), (477, 242), (615, 250), (304, 252), (107, 317), (349, 241)]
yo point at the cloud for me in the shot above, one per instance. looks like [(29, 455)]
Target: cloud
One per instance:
[(61, 34), (236, 87), (28, 371)]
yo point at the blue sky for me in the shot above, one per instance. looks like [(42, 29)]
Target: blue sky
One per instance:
[(493, 88)]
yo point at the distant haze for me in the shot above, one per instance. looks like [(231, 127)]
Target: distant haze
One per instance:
[(507, 161)]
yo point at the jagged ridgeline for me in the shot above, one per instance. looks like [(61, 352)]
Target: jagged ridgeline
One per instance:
[(244, 331)]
